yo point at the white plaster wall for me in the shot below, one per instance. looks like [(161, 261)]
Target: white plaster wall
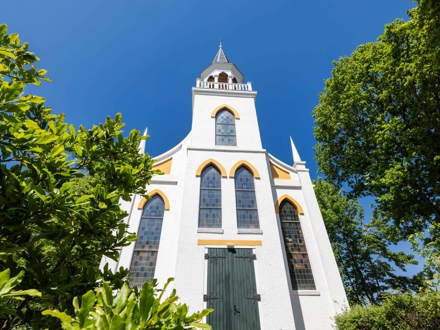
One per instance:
[(314, 309), (269, 267), (203, 126)]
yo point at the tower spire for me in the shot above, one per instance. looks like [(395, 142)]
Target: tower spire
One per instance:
[(220, 57), (295, 154)]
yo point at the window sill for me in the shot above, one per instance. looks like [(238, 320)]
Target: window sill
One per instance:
[(257, 231), (210, 230), (306, 292)]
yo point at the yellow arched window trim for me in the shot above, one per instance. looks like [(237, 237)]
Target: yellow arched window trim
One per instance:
[(208, 162), (248, 165), (227, 107), (290, 199), (150, 195)]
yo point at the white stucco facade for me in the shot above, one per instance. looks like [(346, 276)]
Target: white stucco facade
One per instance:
[(183, 244)]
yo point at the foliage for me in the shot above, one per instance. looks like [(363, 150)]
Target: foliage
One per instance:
[(8, 294), (403, 311), (362, 250), (129, 309), (378, 125), (59, 189)]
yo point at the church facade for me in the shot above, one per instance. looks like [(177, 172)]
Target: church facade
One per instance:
[(238, 229)]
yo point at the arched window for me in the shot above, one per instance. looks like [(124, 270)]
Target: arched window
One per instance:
[(297, 258), (223, 77), (211, 79), (234, 80), (246, 204), (225, 128), (210, 207), (143, 262)]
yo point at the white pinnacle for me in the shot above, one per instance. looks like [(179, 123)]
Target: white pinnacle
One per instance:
[(295, 154), (143, 143)]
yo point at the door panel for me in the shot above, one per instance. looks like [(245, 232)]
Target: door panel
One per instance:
[(232, 290)]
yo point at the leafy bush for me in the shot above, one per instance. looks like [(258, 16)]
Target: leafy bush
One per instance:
[(402, 311), (130, 309)]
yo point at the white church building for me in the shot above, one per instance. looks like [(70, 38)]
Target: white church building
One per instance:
[(238, 229)]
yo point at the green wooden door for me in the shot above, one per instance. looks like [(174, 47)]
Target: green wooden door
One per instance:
[(232, 289)]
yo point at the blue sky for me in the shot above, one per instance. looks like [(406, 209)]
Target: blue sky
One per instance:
[(141, 58)]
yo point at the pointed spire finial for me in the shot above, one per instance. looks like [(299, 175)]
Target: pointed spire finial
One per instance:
[(220, 57), (295, 154), (143, 143)]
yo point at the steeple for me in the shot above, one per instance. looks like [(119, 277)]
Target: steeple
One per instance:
[(222, 74), (220, 57)]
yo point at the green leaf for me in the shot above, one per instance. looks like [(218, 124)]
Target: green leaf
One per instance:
[(6, 53), (87, 303), (63, 317), (200, 325), (29, 292)]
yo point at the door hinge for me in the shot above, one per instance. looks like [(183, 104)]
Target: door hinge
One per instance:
[(256, 297), (208, 256), (207, 297), (252, 257)]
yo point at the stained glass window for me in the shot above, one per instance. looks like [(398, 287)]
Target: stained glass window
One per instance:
[(246, 203), (210, 210), (143, 262), (225, 128), (297, 258)]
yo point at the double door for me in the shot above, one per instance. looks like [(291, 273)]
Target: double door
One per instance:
[(232, 289)]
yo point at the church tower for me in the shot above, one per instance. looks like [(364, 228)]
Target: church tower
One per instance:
[(238, 229)]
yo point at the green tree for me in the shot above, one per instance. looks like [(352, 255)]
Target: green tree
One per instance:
[(60, 189), (130, 309), (362, 249), (378, 125), (403, 311)]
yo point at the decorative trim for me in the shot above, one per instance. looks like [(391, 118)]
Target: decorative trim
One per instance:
[(227, 107), (248, 165), (283, 165), (169, 153), (144, 200), (290, 199), (306, 292), (278, 173), (234, 242), (211, 162), (286, 185), (223, 92), (230, 149), (164, 166), (210, 230), (256, 231), (161, 180)]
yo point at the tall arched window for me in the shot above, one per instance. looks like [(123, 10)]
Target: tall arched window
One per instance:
[(210, 207), (143, 262), (225, 128), (297, 258), (246, 203)]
